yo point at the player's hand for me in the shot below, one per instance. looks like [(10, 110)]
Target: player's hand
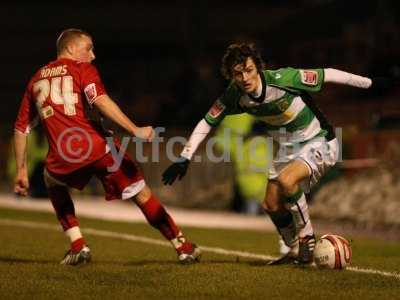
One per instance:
[(21, 183), (146, 133), (176, 170)]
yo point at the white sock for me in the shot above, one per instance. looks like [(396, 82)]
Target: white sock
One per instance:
[(301, 217), (288, 235), (73, 233)]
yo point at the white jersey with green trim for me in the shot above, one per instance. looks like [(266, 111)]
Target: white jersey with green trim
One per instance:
[(284, 105)]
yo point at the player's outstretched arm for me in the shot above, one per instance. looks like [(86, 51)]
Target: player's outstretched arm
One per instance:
[(179, 168), (21, 182), (375, 83), (341, 77), (112, 111)]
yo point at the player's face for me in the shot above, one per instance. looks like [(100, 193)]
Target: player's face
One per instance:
[(83, 49), (246, 76)]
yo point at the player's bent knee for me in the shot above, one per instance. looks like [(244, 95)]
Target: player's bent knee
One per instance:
[(288, 184)]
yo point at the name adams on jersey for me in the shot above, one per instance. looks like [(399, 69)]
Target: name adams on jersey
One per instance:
[(57, 96)]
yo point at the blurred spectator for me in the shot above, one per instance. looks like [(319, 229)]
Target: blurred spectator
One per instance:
[(240, 135)]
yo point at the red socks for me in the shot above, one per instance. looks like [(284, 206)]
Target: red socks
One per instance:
[(65, 211), (157, 217), (63, 206), (77, 245), (154, 212)]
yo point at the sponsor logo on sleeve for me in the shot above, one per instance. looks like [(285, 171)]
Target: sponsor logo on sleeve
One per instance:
[(309, 77), (90, 92), (216, 109), (46, 112)]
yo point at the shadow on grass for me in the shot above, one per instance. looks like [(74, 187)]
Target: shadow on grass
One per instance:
[(16, 260), (176, 263), (155, 262)]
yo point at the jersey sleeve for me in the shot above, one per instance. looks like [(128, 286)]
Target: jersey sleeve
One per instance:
[(27, 117), (91, 83), (309, 80), (227, 104)]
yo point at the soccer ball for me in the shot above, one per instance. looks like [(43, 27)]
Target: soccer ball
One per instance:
[(332, 252)]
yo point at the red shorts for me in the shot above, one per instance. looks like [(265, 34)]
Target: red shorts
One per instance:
[(124, 183)]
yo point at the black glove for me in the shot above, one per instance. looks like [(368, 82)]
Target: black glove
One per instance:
[(177, 169)]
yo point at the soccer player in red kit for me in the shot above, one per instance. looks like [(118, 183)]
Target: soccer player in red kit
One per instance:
[(57, 95)]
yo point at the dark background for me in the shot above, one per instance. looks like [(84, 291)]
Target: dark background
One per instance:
[(160, 59)]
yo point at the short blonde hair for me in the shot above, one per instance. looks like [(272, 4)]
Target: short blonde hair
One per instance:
[(67, 36)]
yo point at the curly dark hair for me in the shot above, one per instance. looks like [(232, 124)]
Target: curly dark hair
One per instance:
[(237, 54)]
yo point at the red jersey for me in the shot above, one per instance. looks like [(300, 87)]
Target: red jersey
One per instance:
[(55, 95)]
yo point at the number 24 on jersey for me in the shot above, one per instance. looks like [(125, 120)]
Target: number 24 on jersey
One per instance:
[(60, 91)]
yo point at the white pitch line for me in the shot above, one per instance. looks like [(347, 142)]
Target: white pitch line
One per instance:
[(131, 237), (372, 271)]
